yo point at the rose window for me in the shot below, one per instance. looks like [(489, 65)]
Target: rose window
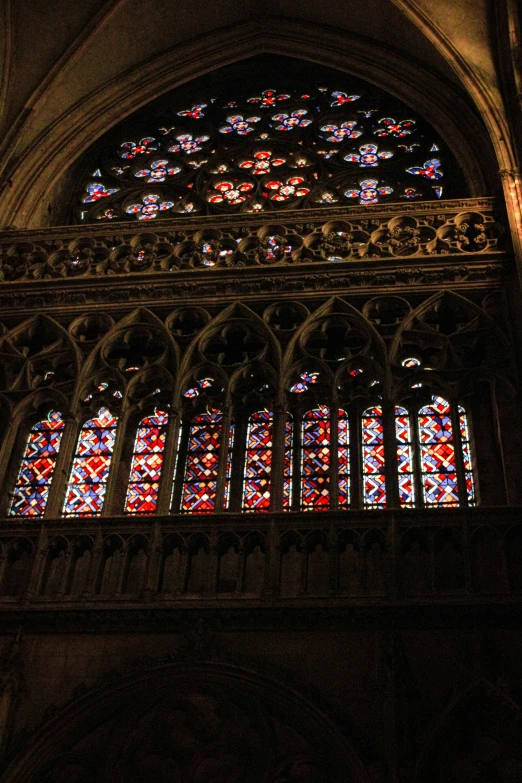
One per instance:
[(107, 214), (98, 191), (430, 170), (268, 99), (368, 156), (195, 112), (235, 149), (290, 121), (188, 144), (238, 124), (369, 192), (392, 128), (338, 133), (328, 197), (132, 149), (340, 98)]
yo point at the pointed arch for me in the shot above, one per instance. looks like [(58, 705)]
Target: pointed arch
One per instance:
[(147, 461), (87, 484), (38, 353), (82, 124), (138, 341), (36, 471), (449, 332), (338, 307), (211, 345), (459, 736), (234, 687)]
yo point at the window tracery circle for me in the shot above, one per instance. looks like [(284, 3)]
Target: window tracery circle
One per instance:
[(228, 145)]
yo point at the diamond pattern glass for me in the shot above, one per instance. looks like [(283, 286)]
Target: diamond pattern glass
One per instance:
[(374, 479), (288, 465), (404, 458), (258, 462), (87, 484), (200, 481), (37, 467), (147, 460), (466, 455), (315, 469), (343, 457), (437, 452)]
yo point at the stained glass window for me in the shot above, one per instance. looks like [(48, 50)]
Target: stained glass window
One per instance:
[(200, 483), (288, 465), (37, 467), (236, 152), (90, 470), (343, 468), (147, 459), (374, 479), (404, 458), (437, 452), (466, 455), (258, 462), (315, 469)]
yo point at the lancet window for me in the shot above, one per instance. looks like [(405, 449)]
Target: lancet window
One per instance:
[(432, 466), (205, 447), (441, 455), (87, 485), (147, 461), (241, 431), (324, 459), (36, 472), (405, 465), (258, 462), (373, 459)]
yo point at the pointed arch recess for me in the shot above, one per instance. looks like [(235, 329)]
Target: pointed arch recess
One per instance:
[(435, 99), (136, 694)]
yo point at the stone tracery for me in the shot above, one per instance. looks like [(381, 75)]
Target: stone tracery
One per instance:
[(237, 366), (309, 146)]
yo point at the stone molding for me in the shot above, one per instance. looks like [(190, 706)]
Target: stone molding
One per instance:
[(454, 242)]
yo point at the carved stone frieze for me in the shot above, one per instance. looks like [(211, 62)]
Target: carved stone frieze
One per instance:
[(211, 246), (252, 286), (156, 565)]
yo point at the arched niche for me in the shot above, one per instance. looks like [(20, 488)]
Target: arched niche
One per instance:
[(198, 721)]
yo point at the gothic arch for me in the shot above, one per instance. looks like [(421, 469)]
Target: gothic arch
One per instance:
[(140, 339), (133, 703), (477, 738), (446, 334), (36, 354), (335, 309), (437, 100), (244, 317)]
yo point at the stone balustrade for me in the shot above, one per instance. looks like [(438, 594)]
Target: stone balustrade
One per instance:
[(323, 559)]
